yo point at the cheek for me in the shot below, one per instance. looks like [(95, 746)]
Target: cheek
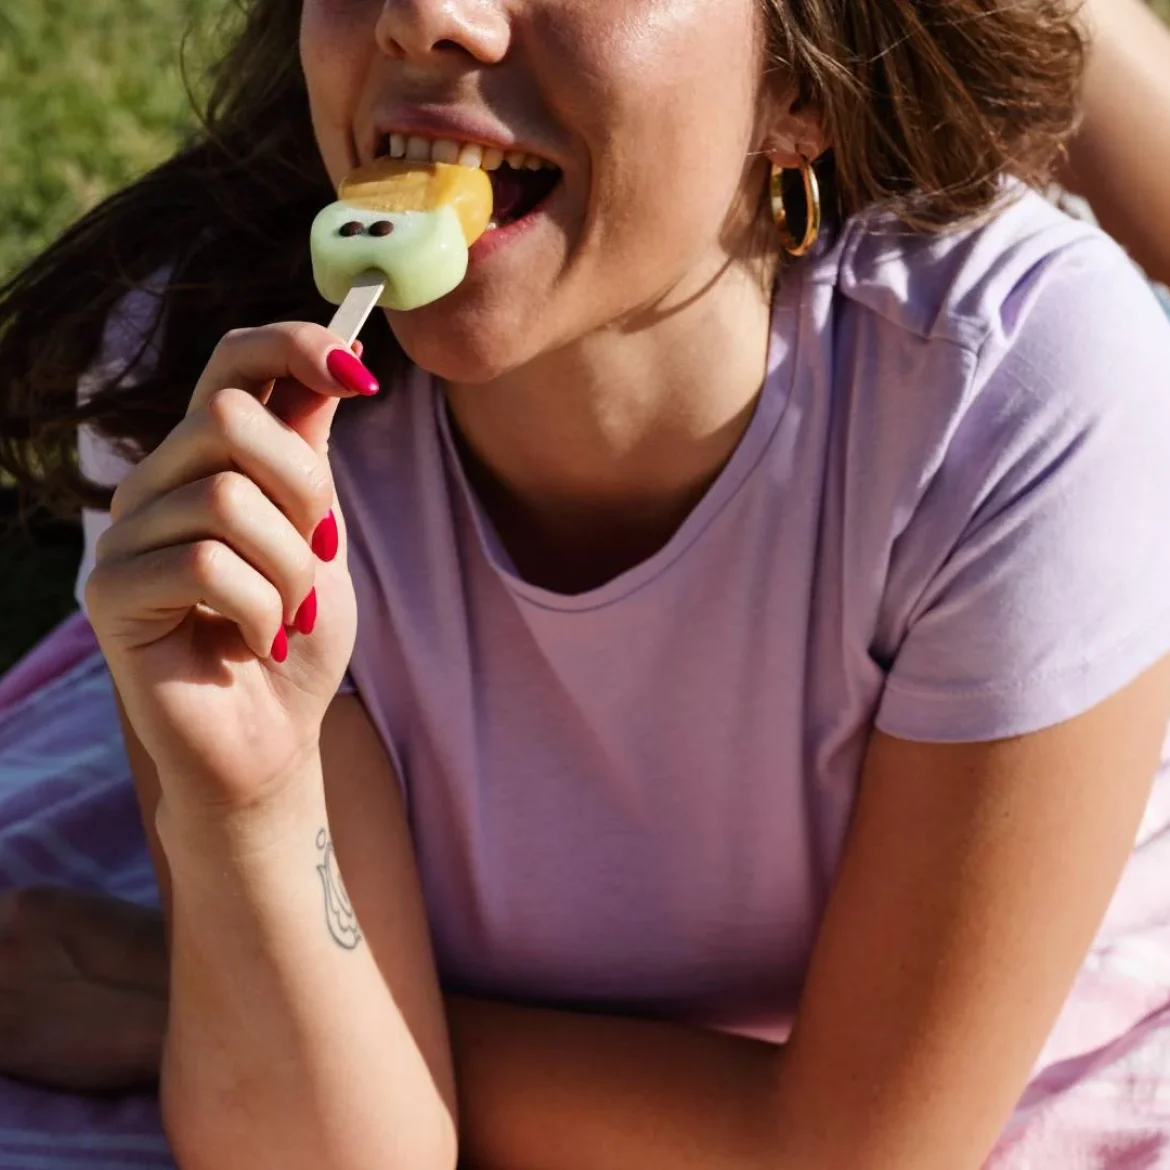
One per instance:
[(336, 40), (665, 93)]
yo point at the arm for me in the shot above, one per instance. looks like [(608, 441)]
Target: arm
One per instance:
[(930, 994), (289, 1035), (231, 971), (1117, 161), (929, 969), (524, 1073)]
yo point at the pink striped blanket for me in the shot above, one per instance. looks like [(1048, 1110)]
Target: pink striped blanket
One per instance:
[(1100, 1096)]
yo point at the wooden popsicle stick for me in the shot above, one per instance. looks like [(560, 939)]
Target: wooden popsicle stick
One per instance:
[(359, 303)]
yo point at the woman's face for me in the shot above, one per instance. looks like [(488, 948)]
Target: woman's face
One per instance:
[(647, 109)]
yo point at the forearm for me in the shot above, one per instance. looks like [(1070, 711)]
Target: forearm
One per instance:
[(284, 1045), (554, 1089), (545, 1090), (1118, 159)]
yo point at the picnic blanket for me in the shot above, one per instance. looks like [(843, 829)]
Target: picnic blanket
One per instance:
[(1099, 1099)]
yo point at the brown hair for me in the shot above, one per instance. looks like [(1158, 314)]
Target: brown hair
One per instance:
[(928, 104)]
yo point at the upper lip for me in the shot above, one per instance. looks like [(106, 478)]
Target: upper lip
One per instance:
[(458, 125)]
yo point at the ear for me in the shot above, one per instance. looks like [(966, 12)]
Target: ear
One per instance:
[(793, 131)]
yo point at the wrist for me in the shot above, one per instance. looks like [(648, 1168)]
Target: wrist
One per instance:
[(209, 832)]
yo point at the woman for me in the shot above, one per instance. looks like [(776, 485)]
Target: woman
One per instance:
[(741, 637)]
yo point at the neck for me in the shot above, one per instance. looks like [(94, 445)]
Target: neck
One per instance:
[(588, 459)]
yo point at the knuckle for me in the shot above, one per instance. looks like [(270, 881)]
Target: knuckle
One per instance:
[(227, 494), (229, 410), (304, 335), (202, 561), (234, 340)]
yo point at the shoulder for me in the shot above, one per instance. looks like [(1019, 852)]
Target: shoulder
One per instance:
[(972, 347), (970, 285), (1003, 398)]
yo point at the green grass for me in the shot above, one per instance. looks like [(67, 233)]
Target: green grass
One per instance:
[(91, 95)]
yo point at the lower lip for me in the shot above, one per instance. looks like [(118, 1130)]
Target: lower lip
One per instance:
[(494, 241)]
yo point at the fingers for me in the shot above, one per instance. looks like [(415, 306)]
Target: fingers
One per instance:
[(228, 507), (169, 582), (232, 511), (251, 359), (234, 432), (298, 369)]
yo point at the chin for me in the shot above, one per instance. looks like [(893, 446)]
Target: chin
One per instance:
[(471, 356), (461, 341)]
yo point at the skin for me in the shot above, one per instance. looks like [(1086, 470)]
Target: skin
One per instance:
[(655, 376), (931, 987), (1118, 160)]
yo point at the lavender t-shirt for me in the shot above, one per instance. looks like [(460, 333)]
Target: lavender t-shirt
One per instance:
[(949, 518)]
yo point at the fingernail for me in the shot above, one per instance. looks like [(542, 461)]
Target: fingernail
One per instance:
[(280, 646), (324, 542), (350, 373), (306, 617)]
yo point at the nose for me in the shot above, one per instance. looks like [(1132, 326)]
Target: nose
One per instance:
[(435, 31)]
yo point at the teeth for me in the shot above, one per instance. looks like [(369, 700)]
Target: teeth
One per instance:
[(415, 148), (418, 149), (471, 156)]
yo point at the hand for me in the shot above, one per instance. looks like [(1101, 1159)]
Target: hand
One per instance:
[(83, 990), (210, 558)]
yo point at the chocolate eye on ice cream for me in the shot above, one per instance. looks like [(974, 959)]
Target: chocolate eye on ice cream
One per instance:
[(398, 237)]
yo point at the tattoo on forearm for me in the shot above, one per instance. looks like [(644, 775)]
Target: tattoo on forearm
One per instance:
[(339, 915)]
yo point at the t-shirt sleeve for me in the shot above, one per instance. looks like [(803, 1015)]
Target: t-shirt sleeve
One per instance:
[(1047, 526)]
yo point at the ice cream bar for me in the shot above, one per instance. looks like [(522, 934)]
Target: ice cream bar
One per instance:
[(397, 236)]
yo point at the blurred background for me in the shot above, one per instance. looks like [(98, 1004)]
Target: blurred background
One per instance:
[(92, 93)]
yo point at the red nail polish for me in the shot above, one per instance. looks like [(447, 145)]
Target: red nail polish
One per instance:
[(306, 617), (350, 372), (324, 542), (280, 646)]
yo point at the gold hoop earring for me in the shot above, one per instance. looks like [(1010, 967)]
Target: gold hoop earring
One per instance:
[(812, 205)]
